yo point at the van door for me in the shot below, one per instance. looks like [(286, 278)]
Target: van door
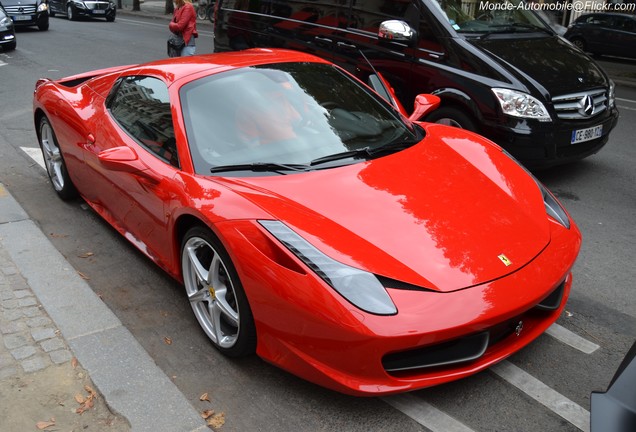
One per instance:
[(359, 42)]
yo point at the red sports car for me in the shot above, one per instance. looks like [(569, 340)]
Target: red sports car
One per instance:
[(310, 220)]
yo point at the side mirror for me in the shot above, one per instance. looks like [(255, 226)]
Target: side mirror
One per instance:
[(396, 31), (424, 104)]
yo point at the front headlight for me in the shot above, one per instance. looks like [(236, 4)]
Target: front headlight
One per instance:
[(79, 5), (359, 287), (518, 104), (42, 7), (5, 23)]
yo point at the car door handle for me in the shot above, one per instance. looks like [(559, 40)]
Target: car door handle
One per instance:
[(347, 46), (323, 40)]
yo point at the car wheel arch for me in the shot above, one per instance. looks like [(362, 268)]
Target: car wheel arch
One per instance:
[(456, 101)]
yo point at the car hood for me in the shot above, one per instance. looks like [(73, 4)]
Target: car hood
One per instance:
[(438, 215), (550, 62)]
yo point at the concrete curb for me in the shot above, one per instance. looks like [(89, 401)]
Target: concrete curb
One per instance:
[(115, 361)]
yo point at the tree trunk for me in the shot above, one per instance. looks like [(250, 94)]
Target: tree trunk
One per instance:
[(136, 5), (169, 7)]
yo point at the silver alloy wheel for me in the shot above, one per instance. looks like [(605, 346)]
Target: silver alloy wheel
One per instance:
[(449, 122), (52, 156), (211, 292), (69, 12)]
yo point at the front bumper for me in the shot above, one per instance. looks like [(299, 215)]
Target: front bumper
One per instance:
[(307, 329), (95, 10), (542, 145)]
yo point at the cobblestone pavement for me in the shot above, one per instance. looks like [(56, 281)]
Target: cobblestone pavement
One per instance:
[(41, 386), (30, 340)]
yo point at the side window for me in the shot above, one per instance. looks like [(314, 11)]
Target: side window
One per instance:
[(141, 106)]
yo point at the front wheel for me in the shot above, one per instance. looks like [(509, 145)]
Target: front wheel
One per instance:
[(110, 18), (70, 13), (216, 294), (452, 116), (54, 161)]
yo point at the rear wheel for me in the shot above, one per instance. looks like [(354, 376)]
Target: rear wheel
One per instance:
[(452, 116), (579, 43), (216, 294), (54, 161)]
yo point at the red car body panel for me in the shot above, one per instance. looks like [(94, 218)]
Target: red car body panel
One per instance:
[(443, 233)]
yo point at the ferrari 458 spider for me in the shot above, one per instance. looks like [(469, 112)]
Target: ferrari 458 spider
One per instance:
[(310, 220)]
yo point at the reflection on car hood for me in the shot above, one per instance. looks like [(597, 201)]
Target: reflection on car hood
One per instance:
[(437, 215), (550, 61)]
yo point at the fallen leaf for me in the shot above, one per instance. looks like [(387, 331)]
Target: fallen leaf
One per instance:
[(204, 397), (74, 362), (89, 390), (216, 421), (83, 276), (207, 414), (44, 424), (167, 340), (86, 255), (79, 398)]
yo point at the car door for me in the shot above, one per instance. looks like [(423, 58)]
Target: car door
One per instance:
[(622, 41), (133, 158)]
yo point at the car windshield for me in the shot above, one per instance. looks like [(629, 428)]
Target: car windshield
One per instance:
[(286, 116), (487, 17)]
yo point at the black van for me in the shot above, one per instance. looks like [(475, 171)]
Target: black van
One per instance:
[(498, 68)]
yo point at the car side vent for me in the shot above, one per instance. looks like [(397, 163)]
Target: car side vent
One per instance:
[(580, 106)]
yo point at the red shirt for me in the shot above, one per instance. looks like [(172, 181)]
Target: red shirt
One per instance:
[(184, 22)]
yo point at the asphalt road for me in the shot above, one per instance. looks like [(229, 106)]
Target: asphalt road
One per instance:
[(544, 387)]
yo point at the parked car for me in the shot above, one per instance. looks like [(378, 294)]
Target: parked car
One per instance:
[(310, 220), (499, 69), (74, 9), (7, 31), (28, 13), (612, 34)]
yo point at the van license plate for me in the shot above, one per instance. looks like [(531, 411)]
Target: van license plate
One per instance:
[(583, 135), (99, 12), (22, 17)]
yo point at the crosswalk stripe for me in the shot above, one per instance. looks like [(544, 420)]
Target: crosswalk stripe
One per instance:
[(35, 154), (543, 394), (572, 339), (425, 414)]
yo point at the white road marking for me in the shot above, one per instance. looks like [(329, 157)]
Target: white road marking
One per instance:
[(626, 107), (35, 154), (543, 394), (625, 100), (425, 414), (572, 339), (2, 63)]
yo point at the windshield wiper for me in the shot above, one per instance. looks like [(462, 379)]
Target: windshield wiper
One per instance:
[(364, 152), (259, 167)]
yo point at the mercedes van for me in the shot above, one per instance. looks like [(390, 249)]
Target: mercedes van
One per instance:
[(499, 69)]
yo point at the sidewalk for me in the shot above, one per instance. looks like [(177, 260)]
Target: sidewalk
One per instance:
[(66, 361)]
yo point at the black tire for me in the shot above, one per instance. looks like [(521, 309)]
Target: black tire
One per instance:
[(217, 296), (11, 46), (54, 161), (43, 26), (452, 116), (579, 43), (70, 13), (51, 13), (110, 18)]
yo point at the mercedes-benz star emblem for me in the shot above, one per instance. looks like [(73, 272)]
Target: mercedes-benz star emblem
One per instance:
[(586, 106)]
